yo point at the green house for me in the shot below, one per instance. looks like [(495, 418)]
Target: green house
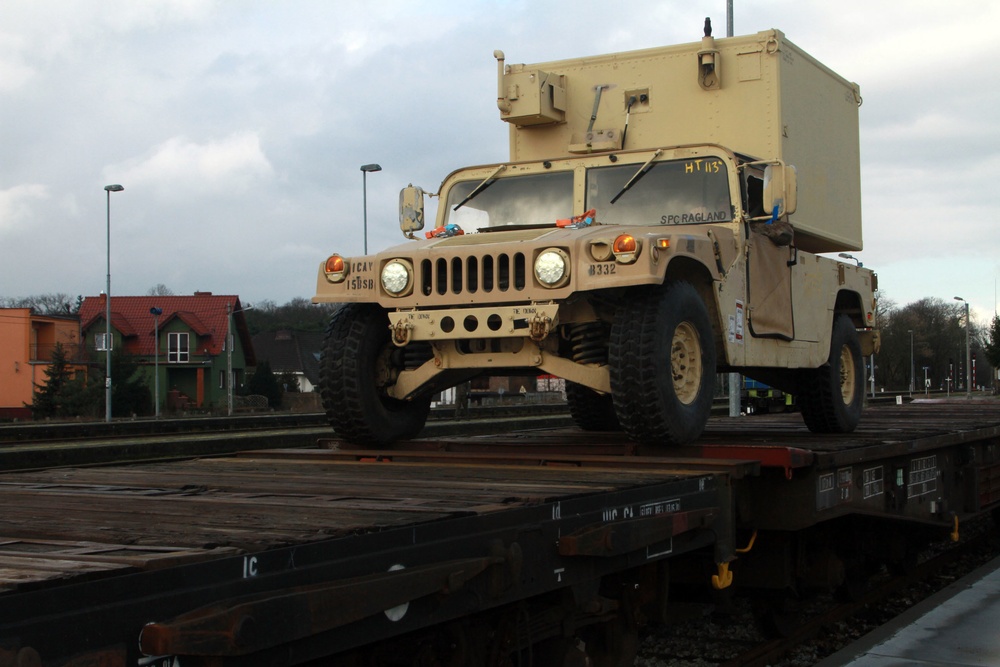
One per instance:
[(180, 342)]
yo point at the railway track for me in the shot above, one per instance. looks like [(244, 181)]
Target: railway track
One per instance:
[(82, 430), (45, 446)]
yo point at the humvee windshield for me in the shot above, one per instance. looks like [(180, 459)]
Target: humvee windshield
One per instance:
[(667, 193), (538, 199)]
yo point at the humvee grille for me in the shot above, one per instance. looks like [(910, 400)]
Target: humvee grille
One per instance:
[(468, 275)]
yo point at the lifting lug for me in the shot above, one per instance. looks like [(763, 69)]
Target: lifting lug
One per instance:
[(540, 326), (401, 333)]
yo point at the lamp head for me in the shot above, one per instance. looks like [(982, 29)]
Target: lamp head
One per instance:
[(113, 188), (371, 167)]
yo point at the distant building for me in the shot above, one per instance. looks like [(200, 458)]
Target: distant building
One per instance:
[(293, 352), (187, 341), (27, 341)]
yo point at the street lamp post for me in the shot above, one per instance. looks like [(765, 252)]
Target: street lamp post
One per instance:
[(156, 312), (365, 168), (910, 331), (968, 367), (107, 312), (849, 256)]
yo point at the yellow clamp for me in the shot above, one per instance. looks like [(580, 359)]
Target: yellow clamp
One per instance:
[(724, 579), (954, 533)]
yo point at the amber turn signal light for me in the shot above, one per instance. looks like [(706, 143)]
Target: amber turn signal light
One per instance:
[(336, 268), (626, 248), (625, 243)]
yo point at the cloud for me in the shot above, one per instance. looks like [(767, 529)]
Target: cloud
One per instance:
[(230, 165), (16, 204), (127, 15), (14, 72)]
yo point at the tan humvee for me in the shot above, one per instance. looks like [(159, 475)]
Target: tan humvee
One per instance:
[(656, 224)]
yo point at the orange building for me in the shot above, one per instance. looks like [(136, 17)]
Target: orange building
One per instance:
[(26, 344)]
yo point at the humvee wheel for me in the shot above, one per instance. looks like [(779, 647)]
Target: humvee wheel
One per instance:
[(355, 369), (591, 411), (662, 361), (831, 396)]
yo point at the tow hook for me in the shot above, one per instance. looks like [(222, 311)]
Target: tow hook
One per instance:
[(540, 326), (401, 332)]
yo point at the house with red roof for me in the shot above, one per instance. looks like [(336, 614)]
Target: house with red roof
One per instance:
[(181, 340), (294, 353)]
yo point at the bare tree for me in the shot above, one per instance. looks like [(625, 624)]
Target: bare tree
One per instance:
[(938, 343), (159, 289), (43, 304)]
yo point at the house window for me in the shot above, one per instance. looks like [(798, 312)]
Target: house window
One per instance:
[(104, 342), (177, 348), (222, 379)]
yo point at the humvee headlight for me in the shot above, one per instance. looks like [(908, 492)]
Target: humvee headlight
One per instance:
[(626, 248), (335, 269), (397, 277), (552, 267)]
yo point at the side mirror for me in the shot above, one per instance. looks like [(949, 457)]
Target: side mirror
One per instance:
[(411, 210), (780, 189)]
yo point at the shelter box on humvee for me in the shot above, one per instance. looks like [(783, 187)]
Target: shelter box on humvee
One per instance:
[(758, 95)]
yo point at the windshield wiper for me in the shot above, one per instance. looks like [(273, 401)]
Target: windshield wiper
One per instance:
[(643, 170), (487, 182)]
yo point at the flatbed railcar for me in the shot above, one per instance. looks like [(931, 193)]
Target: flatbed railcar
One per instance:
[(526, 546)]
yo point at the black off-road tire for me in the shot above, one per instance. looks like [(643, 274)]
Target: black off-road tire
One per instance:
[(662, 363), (355, 355), (831, 397), (591, 411)]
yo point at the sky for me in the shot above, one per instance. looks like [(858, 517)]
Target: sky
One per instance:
[(238, 128)]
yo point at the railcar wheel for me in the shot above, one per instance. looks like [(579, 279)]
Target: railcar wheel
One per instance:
[(356, 368), (831, 396), (591, 411), (662, 360)]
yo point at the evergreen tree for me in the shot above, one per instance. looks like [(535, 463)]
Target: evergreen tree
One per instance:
[(65, 394), (80, 398), (264, 383), (45, 402), (130, 395), (299, 314)]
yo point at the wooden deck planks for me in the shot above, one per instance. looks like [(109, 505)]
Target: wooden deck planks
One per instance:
[(241, 504)]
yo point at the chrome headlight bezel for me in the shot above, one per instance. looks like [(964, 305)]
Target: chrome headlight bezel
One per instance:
[(552, 267), (396, 277)]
